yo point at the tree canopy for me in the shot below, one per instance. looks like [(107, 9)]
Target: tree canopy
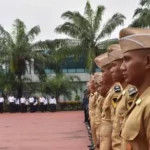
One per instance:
[(87, 34)]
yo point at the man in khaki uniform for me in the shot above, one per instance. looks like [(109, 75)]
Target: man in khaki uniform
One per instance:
[(99, 103), (123, 103), (104, 63), (102, 90), (92, 106), (135, 43)]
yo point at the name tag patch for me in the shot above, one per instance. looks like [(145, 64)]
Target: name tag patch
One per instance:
[(117, 88), (132, 91)]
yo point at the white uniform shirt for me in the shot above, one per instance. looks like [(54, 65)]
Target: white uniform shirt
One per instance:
[(31, 100), (45, 101), (41, 99), (52, 101), (27, 102), (22, 100), (35, 103), (17, 102), (11, 99), (1, 99)]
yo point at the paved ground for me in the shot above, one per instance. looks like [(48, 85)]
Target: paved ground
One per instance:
[(43, 131)]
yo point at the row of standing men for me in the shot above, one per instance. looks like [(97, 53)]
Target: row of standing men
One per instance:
[(119, 95), (32, 104)]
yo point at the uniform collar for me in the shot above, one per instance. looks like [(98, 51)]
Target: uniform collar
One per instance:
[(91, 94), (142, 97), (126, 89)]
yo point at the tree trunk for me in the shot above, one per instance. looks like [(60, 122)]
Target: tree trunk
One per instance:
[(19, 87), (57, 100), (93, 69)]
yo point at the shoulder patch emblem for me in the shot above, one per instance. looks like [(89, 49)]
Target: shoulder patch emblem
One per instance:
[(138, 102), (123, 93), (117, 88), (132, 91)]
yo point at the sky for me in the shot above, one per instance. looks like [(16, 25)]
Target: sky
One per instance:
[(47, 13)]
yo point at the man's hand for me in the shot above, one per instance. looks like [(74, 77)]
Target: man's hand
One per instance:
[(98, 143)]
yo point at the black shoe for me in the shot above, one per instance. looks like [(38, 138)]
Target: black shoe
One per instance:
[(92, 148), (85, 122), (90, 145)]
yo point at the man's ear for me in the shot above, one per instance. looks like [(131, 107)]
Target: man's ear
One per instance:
[(148, 61)]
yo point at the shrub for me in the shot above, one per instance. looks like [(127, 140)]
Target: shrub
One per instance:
[(70, 105)]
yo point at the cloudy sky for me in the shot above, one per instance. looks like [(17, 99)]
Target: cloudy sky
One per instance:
[(46, 13)]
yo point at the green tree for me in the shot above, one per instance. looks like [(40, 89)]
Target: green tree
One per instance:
[(77, 98), (18, 50), (142, 15), (87, 33), (60, 84)]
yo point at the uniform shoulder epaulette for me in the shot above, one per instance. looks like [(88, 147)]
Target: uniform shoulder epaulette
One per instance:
[(132, 91), (117, 88)]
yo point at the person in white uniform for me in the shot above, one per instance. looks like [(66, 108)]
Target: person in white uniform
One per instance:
[(23, 101), (11, 100), (45, 103), (26, 105), (31, 101), (17, 104), (35, 104), (52, 103), (1, 103), (41, 100)]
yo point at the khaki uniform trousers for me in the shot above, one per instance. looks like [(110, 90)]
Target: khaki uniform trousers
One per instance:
[(93, 128), (105, 135), (97, 131)]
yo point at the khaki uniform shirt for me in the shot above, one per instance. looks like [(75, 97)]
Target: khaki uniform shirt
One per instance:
[(136, 128), (98, 110), (124, 103), (92, 103), (108, 111), (109, 105)]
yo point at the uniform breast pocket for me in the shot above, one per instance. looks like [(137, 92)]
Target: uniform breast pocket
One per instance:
[(131, 127)]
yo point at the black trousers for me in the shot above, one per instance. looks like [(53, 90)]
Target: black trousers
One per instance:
[(31, 107), (1, 107), (85, 115), (35, 108), (45, 107), (41, 107), (17, 108), (11, 107), (53, 107), (87, 110), (26, 108), (23, 108)]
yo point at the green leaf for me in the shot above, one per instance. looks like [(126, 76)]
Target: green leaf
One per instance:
[(33, 33), (88, 12), (98, 17), (69, 29), (116, 20)]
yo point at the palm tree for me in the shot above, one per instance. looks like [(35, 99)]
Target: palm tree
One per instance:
[(60, 84), (141, 15), (19, 49), (86, 34)]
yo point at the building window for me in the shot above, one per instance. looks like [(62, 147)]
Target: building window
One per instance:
[(65, 70), (80, 70), (71, 70)]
